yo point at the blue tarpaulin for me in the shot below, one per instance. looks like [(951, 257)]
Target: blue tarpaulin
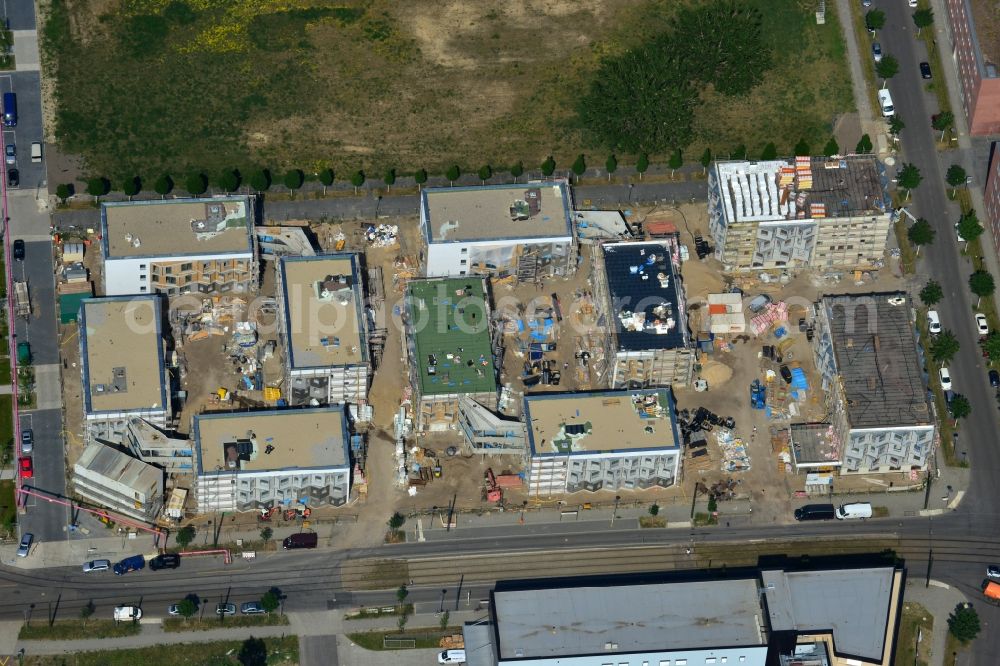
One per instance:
[(799, 380)]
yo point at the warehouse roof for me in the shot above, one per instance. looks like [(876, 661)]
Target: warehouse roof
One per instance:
[(220, 225), (496, 212), (448, 325), (323, 303)]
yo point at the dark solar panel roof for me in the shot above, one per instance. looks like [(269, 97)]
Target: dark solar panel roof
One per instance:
[(634, 286)]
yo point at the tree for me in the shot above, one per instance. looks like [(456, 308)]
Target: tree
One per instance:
[(453, 173), (706, 159), (485, 173), (185, 536), (802, 149), (654, 509), (960, 408), (230, 180), (266, 534), (955, 177), (931, 294), (896, 126), (909, 178), (357, 179), (326, 178), (402, 593), (963, 623), (294, 179), (923, 18), (260, 180), (831, 148), (420, 177), (548, 166), (864, 145), (196, 184), (396, 521), (942, 122), (944, 347), (87, 610), (401, 622), (64, 191), (132, 186), (579, 165), (443, 620), (770, 151), (969, 228), (739, 153), (676, 161), (887, 67), (253, 652), (921, 233), (271, 600), (991, 345), (517, 170), (642, 164), (875, 20), (611, 165), (98, 187), (981, 284), (164, 185), (389, 178), (187, 606)]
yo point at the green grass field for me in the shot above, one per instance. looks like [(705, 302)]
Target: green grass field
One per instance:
[(378, 84), (281, 651)]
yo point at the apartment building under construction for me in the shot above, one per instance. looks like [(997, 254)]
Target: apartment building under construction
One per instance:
[(819, 212)]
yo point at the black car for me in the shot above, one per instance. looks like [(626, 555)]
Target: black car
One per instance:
[(994, 378), (165, 561), (13, 178), (18, 249), (925, 70)]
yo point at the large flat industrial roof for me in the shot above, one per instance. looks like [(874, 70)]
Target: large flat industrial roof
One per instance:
[(877, 363), (852, 603), (121, 467), (220, 225), (600, 422), (272, 440), (582, 620), (801, 189), (448, 321), (122, 354), (497, 212), (323, 302), (646, 299)]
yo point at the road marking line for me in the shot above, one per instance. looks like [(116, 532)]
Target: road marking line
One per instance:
[(420, 529)]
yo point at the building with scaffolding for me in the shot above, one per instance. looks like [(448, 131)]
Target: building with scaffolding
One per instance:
[(247, 461), (639, 287), (452, 347), (499, 230), (819, 212), (181, 246), (848, 615), (867, 356), (115, 480), (604, 440), (154, 446), (323, 328), (122, 365)]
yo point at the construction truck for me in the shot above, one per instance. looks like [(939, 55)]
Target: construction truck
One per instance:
[(22, 299)]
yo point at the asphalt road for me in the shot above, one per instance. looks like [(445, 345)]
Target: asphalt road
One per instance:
[(20, 14)]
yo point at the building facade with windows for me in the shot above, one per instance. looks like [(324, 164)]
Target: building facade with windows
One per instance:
[(976, 52)]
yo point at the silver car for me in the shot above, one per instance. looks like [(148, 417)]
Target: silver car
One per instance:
[(96, 565), (225, 609), (26, 540)]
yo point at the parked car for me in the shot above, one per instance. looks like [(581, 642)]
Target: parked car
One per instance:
[(866, 3), (134, 563), (925, 70), (127, 613), (25, 468), (815, 512), (27, 440), (96, 565), (912, 3), (958, 234), (451, 657), (945, 377), (17, 249), (994, 378), (165, 561), (252, 608), (877, 52), (225, 609), (25, 546), (933, 322), (854, 511), (993, 571), (13, 177), (174, 609), (982, 325), (885, 103), (10, 154)]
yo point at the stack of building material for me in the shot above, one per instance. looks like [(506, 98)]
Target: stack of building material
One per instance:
[(786, 176), (817, 210), (803, 172), (774, 313), (735, 454)]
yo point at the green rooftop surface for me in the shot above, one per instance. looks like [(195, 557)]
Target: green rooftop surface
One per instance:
[(447, 317)]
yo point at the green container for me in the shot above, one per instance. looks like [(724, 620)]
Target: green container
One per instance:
[(23, 353)]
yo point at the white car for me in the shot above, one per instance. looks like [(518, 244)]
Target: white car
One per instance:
[(958, 234), (127, 613), (451, 657), (945, 377), (885, 103), (981, 324), (912, 3), (96, 565), (933, 322), (993, 571)]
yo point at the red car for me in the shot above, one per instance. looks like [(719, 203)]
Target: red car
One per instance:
[(26, 469)]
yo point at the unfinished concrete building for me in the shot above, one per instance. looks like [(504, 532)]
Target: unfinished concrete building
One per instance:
[(639, 287), (106, 476), (489, 434), (499, 230), (820, 212), (155, 447), (605, 440), (452, 348), (323, 329), (867, 355)]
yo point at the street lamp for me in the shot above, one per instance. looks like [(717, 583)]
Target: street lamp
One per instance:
[(441, 609), (615, 513)]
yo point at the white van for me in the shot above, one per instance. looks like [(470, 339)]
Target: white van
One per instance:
[(885, 102), (36, 151), (862, 510)]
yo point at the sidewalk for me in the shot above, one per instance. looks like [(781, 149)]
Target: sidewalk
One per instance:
[(940, 600)]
